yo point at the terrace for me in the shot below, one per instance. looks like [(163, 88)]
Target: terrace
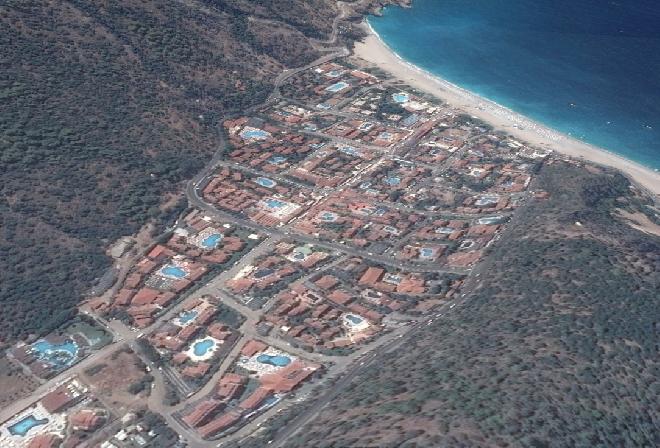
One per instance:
[(327, 85), (350, 217), (63, 348), (268, 274), (330, 166), (391, 105), (195, 342), (262, 199), (64, 416), (270, 148), (368, 132), (305, 315), (260, 378), (370, 292), (394, 179), (199, 237), (457, 242), (155, 282)]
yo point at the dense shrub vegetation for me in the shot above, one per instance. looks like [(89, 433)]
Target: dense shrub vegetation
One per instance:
[(107, 107), (557, 345)]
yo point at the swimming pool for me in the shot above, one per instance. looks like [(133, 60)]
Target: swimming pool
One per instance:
[(391, 229), (401, 97), (211, 241), (355, 320), (173, 271), (274, 360), (467, 244), (254, 134), (490, 220), (393, 180), (444, 230), (201, 348), (300, 253), (276, 160), (487, 200), (57, 355), (338, 86), (187, 317), (274, 203), (328, 216), (426, 252), (22, 427), (265, 182)]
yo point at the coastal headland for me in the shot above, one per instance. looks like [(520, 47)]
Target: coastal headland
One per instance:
[(375, 51)]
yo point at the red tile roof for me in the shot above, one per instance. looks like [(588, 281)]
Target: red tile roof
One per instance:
[(252, 347)]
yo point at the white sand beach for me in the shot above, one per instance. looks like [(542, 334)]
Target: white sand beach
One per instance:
[(375, 51)]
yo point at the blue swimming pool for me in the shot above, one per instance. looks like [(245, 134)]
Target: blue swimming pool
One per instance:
[(211, 241), (265, 182), (426, 252), (355, 320), (338, 86), (254, 134), (391, 229), (201, 348), (274, 203), (300, 253), (187, 316), (490, 220), (276, 160), (274, 360), (22, 427), (58, 355), (401, 97), (393, 180), (328, 216), (487, 200), (173, 271)]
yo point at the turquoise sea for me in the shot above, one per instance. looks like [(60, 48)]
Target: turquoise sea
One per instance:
[(588, 68)]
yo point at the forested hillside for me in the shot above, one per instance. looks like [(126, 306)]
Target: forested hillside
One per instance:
[(557, 345), (107, 107)]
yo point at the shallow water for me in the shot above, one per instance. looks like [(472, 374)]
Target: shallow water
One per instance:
[(590, 69)]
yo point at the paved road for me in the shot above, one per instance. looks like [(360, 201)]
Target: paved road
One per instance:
[(365, 363), (348, 366), (288, 232)]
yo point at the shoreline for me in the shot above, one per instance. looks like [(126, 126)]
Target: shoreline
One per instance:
[(375, 51)]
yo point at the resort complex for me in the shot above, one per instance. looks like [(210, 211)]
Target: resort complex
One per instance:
[(341, 214), (339, 217)]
